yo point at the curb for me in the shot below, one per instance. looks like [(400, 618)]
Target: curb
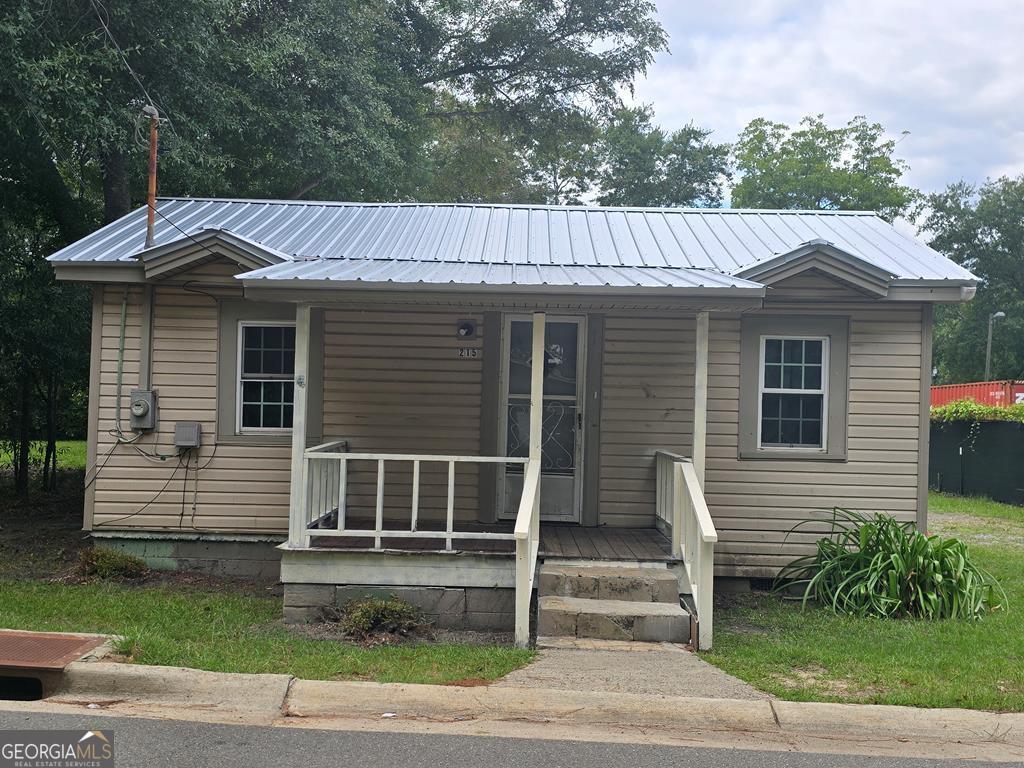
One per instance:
[(175, 686), (309, 698), (279, 697)]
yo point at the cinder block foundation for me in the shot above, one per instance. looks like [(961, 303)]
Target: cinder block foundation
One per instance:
[(255, 558), (485, 609)]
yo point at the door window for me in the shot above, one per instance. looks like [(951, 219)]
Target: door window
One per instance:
[(559, 412)]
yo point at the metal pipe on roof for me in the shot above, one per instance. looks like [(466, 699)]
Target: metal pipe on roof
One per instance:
[(154, 116)]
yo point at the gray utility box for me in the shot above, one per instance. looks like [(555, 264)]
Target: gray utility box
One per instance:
[(187, 434), (143, 409)]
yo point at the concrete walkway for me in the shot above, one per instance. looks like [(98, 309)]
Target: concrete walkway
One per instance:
[(615, 666)]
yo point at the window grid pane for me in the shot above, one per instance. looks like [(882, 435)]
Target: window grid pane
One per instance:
[(267, 369), (792, 394)]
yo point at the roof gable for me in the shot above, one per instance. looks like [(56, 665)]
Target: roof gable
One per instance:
[(191, 250), (825, 258)]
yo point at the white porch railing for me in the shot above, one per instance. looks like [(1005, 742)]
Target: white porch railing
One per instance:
[(324, 508), (325, 480), (681, 506), (527, 535)]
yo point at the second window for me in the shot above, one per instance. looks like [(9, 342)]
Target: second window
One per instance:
[(793, 392)]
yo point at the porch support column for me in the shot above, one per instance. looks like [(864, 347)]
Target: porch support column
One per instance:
[(537, 386), (297, 536), (700, 398)]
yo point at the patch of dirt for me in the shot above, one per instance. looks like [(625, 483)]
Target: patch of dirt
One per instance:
[(743, 627), (469, 682), (470, 637), (992, 531), (819, 679), (329, 630), (41, 536)]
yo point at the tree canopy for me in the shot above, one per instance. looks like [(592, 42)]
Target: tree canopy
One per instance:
[(814, 166), (643, 165), (340, 99), (981, 228)]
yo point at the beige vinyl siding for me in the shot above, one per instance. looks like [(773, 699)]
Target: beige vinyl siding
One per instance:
[(647, 404), (756, 503), (394, 383), (237, 488)]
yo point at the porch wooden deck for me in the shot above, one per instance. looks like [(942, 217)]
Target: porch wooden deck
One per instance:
[(557, 540)]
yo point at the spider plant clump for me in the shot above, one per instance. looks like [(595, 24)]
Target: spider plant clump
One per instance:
[(878, 566)]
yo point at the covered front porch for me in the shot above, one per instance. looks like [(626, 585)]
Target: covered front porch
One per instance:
[(384, 519)]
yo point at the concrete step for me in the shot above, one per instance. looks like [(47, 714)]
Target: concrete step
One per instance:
[(644, 585), (559, 616)]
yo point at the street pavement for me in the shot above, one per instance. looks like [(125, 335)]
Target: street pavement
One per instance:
[(143, 743)]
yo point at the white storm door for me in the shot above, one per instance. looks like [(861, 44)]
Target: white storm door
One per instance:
[(562, 418)]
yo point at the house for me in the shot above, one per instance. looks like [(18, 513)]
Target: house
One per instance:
[(435, 399)]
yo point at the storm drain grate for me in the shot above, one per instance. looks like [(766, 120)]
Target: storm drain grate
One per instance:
[(43, 650)]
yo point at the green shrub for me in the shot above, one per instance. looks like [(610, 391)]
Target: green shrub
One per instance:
[(101, 563), (877, 566), (968, 410), (377, 616)]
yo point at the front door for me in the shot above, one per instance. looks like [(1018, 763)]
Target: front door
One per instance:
[(562, 418)]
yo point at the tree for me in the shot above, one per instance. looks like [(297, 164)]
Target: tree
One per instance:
[(476, 161), (817, 167), (563, 157), (269, 98), (644, 166), (982, 229)]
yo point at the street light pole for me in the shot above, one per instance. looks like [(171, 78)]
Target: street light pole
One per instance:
[(988, 345)]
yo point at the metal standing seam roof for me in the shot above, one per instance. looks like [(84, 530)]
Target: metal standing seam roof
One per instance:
[(535, 244), (465, 273)]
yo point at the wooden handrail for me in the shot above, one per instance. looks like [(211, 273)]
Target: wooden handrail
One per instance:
[(527, 535), (705, 525), (681, 504), (319, 454), (531, 480), (324, 496)]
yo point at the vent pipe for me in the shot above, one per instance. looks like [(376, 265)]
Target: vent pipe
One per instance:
[(154, 116)]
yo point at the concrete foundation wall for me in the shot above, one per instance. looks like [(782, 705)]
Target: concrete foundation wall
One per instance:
[(474, 608), (253, 559)]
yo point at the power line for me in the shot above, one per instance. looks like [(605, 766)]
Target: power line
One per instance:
[(96, 6)]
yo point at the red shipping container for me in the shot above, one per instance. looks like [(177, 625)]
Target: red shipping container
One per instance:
[(998, 393)]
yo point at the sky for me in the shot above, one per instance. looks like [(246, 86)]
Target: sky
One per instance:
[(950, 73)]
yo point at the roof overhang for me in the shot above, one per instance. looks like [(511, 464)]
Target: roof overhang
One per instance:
[(383, 296), (99, 271), (331, 281)]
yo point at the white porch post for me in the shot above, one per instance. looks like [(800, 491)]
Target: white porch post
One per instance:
[(528, 544), (537, 385), (297, 534), (700, 398)]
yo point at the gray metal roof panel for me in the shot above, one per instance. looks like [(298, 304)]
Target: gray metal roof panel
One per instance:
[(495, 274), (722, 240)]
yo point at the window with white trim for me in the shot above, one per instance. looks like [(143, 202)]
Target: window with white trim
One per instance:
[(793, 392), (266, 372)]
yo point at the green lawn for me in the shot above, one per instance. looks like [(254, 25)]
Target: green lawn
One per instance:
[(814, 655), (226, 632), (70, 454)]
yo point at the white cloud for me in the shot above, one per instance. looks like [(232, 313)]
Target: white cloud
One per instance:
[(950, 73)]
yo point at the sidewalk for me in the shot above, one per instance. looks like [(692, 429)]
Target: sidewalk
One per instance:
[(616, 666), (535, 713)]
